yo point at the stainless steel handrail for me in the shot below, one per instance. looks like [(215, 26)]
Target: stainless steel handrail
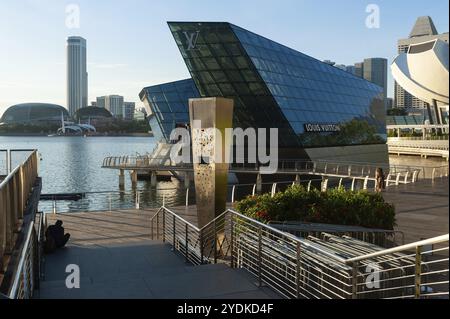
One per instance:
[(432, 241), (311, 268), (13, 293)]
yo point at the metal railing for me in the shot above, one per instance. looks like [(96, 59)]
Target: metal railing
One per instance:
[(29, 270), (358, 171), (417, 270), (14, 192), (327, 268), (177, 197)]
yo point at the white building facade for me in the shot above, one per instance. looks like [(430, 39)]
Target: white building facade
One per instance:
[(77, 76)]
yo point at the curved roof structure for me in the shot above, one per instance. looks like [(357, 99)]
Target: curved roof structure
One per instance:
[(423, 71), (92, 112), (34, 113)]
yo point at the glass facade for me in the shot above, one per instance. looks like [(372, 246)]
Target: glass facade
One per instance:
[(169, 106), (274, 86)]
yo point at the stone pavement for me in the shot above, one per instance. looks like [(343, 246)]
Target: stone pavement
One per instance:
[(422, 208)]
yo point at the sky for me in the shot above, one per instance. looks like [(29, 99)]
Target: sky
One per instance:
[(130, 45)]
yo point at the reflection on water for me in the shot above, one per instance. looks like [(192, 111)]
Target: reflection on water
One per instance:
[(73, 165)]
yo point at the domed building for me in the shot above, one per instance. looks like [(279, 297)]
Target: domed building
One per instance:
[(34, 113), (92, 113)]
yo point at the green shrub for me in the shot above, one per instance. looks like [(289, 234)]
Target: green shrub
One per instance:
[(336, 206)]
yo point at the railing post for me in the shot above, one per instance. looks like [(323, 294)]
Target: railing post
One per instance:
[(232, 240), (274, 189), (215, 241), (187, 243), (152, 224), (187, 197), (201, 247), (54, 207), (260, 256), (309, 186), (157, 226), (355, 280), (174, 230), (397, 181), (164, 226), (232, 194), (297, 272), (138, 204), (366, 183), (353, 184), (418, 273)]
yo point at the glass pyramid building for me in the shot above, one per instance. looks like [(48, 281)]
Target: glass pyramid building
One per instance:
[(312, 103)]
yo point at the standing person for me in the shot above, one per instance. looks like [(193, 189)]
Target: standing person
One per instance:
[(380, 180)]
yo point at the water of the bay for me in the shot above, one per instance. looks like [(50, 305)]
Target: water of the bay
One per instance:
[(73, 165)]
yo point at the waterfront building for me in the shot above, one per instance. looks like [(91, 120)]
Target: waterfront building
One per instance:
[(128, 110), (101, 102), (376, 71), (424, 30), (113, 103), (359, 69), (77, 76), (310, 102), (34, 114)]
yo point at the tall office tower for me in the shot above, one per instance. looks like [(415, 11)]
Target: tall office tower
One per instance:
[(128, 110), (101, 101), (375, 70), (77, 76), (423, 31), (359, 70)]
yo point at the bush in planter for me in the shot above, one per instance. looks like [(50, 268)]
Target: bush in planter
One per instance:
[(336, 206)]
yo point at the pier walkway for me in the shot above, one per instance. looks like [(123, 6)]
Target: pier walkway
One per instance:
[(117, 259)]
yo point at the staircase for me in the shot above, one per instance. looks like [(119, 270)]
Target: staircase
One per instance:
[(117, 260)]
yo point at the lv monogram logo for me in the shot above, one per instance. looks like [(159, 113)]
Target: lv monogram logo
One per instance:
[(191, 39)]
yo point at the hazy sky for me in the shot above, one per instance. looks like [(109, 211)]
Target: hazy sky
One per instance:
[(130, 46)]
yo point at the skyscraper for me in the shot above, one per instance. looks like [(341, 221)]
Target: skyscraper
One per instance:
[(375, 71), (424, 30), (77, 76), (128, 110), (113, 103)]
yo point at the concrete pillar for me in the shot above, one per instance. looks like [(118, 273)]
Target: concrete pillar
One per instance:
[(258, 184), (153, 179), (134, 178), (399, 134), (121, 179)]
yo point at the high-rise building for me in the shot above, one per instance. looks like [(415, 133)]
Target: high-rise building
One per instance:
[(128, 110), (114, 104), (424, 30), (101, 101), (359, 69), (77, 76), (375, 70)]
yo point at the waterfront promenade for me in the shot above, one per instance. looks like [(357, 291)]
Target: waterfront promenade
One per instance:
[(422, 208), (117, 259)]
